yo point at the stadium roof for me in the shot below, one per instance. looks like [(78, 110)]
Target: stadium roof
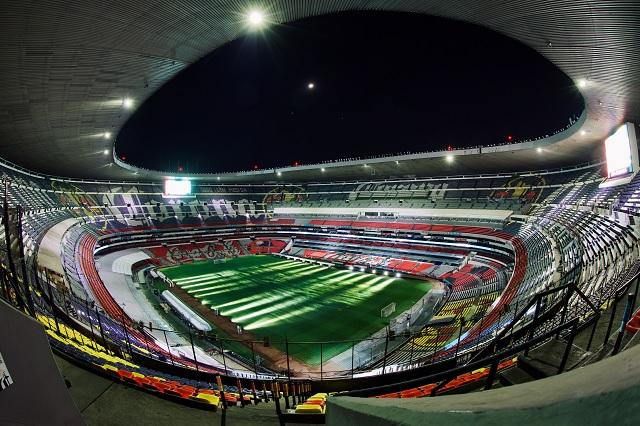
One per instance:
[(68, 67)]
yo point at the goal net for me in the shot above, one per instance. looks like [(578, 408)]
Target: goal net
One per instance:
[(388, 310)]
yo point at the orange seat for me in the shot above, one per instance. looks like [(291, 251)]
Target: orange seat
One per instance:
[(183, 391), (230, 398), (125, 373)]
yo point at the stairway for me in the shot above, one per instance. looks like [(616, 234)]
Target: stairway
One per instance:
[(541, 362)]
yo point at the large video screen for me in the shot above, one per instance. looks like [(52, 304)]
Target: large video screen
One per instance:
[(618, 151), (177, 187)]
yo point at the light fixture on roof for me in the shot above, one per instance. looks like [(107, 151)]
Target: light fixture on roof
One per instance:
[(279, 173), (107, 135), (582, 83), (255, 18), (449, 158), (127, 103), (539, 150), (105, 152), (583, 132), (311, 86), (322, 169)]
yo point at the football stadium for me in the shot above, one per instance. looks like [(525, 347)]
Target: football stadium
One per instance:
[(320, 212)]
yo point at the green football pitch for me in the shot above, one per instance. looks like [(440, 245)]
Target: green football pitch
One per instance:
[(276, 297)]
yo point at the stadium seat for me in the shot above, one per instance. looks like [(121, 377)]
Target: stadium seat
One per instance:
[(309, 409), (207, 398)]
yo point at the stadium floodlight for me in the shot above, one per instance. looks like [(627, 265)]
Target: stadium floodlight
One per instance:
[(398, 275), (322, 169), (279, 173), (449, 158), (127, 103), (107, 135), (255, 18), (583, 132), (582, 83), (311, 86), (539, 150), (105, 152)]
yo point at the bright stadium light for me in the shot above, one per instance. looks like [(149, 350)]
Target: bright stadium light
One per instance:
[(449, 158), (583, 132), (310, 86), (322, 169), (582, 83), (105, 152), (127, 103), (398, 275), (255, 18), (107, 135), (279, 173), (539, 150), (386, 273)]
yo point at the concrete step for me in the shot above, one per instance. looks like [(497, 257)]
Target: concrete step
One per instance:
[(536, 368), (545, 360), (514, 376)]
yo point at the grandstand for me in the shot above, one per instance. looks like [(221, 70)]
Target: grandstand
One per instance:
[(265, 296)]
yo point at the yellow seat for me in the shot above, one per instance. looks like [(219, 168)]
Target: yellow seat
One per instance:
[(109, 367), (309, 409), (207, 398)]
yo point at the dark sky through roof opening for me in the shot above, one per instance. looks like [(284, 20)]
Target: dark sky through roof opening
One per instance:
[(348, 85)]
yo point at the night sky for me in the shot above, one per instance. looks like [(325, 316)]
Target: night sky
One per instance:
[(383, 83)]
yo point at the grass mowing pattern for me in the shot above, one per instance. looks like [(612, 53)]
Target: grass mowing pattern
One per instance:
[(275, 297)]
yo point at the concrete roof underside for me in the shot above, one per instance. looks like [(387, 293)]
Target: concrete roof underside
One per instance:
[(66, 66)]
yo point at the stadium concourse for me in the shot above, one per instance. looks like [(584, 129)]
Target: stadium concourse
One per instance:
[(353, 292)]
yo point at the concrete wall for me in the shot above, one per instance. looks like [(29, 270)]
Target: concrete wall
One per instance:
[(38, 395), (607, 392)]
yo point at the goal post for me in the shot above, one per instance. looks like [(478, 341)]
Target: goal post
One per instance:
[(388, 310)]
